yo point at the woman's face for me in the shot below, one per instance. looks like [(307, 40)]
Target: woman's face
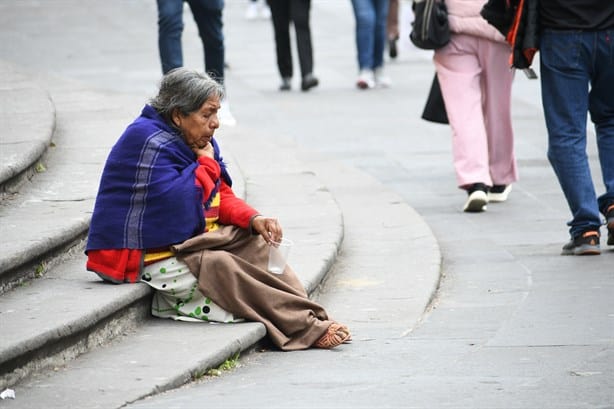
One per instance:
[(199, 126)]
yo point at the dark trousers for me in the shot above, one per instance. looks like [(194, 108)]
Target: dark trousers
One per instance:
[(296, 11), (208, 17)]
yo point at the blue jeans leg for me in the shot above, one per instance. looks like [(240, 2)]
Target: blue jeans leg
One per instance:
[(380, 36), (601, 108), (570, 61), (208, 17), (170, 28), (370, 18)]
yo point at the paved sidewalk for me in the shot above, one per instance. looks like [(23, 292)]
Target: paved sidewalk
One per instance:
[(513, 324)]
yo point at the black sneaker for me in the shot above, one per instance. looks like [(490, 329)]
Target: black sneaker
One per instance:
[(478, 198), (586, 244), (286, 84), (309, 81), (609, 221)]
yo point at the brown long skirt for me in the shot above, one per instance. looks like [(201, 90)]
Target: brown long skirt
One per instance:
[(231, 268)]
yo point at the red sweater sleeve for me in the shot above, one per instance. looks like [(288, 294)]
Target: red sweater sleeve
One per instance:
[(207, 172), (234, 210)]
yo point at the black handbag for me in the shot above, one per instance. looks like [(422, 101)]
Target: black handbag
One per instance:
[(430, 29), (435, 107)]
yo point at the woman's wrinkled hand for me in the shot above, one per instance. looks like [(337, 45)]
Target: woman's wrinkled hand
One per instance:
[(201, 151), (268, 227)]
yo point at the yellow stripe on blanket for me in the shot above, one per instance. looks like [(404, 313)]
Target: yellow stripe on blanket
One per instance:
[(157, 256)]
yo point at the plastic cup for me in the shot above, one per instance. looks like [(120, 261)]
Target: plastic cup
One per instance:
[(278, 254)]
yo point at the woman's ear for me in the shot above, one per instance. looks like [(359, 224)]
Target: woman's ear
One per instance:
[(176, 118)]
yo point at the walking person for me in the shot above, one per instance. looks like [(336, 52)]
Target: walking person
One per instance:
[(208, 17), (371, 20), (476, 84), (577, 76), (283, 13)]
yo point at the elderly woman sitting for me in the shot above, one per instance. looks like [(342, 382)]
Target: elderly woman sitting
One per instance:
[(165, 214)]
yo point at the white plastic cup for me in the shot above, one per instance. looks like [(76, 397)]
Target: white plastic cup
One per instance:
[(278, 255)]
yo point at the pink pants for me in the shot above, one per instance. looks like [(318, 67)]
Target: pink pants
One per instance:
[(476, 83)]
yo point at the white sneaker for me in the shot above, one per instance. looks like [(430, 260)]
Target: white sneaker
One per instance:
[(478, 198), (476, 202), (225, 116), (499, 193), (252, 10), (381, 79), (366, 79)]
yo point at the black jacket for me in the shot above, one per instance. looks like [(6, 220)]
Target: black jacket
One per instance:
[(518, 21)]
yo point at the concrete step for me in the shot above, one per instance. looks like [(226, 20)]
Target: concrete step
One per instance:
[(27, 118), (49, 214)]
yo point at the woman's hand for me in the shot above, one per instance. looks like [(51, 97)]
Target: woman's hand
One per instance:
[(206, 150), (268, 227)]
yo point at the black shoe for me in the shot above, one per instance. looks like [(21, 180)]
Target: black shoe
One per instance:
[(609, 221), (286, 84), (478, 198), (585, 244), (309, 81), (392, 47)]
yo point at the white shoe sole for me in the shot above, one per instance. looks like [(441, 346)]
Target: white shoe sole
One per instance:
[(500, 197), (476, 202)]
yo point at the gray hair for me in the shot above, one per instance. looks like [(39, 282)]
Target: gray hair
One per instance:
[(185, 90)]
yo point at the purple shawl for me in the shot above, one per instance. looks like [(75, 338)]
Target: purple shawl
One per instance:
[(147, 196)]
